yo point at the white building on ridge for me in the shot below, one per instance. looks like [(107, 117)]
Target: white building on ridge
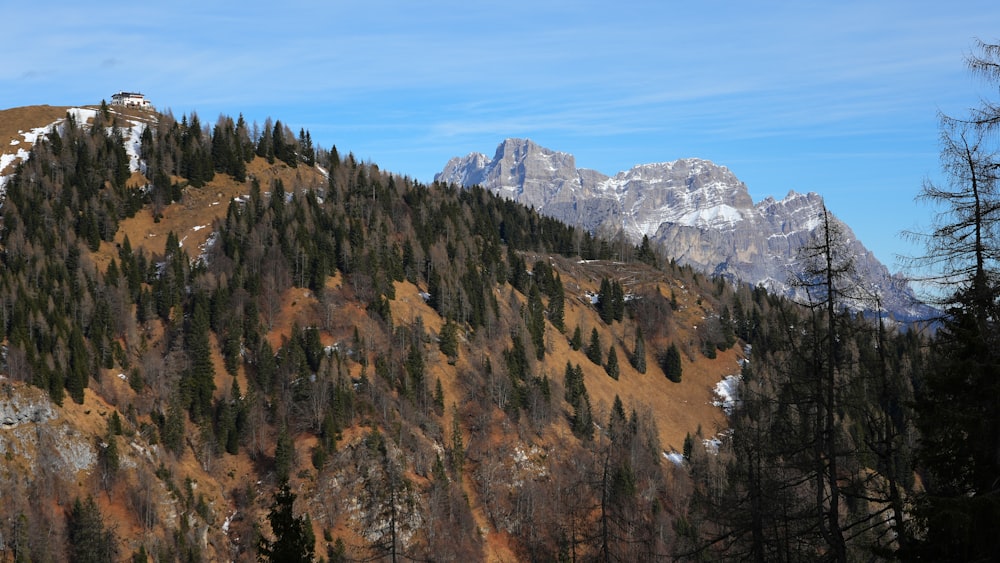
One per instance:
[(131, 100)]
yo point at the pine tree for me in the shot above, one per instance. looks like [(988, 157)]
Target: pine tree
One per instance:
[(293, 536), (611, 367), (284, 455), (199, 382), (671, 363), (594, 352), (265, 146), (89, 539), (557, 304), (448, 340), (638, 356), (604, 305), (576, 342), (536, 321), (173, 428), (581, 417)]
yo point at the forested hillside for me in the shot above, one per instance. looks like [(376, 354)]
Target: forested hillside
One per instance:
[(255, 348), (413, 362)]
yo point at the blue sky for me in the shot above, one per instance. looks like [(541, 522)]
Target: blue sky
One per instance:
[(840, 98)]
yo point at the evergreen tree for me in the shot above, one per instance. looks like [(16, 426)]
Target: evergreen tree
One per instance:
[(536, 321), (448, 340), (671, 364), (604, 305), (172, 430), (284, 455), (265, 145), (306, 148), (293, 536), (638, 356), (557, 304), (89, 539), (958, 413), (581, 418), (199, 381), (646, 254), (594, 352), (576, 342), (611, 367), (79, 368)]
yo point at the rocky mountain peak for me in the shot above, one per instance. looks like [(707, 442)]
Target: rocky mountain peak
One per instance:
[(698, 211)]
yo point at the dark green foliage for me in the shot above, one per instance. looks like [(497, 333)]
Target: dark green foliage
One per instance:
[(646, 253), (438, 398), (293, 535), (670, 363), (108, 460), (308, 152), (284, 145), (557, 304), (581, 419), (416, 372), (89, 539), (79, 368), (228, 148), (284, 454), (448, 340), (611, 367), (536, 321), (265, 145), (611, 301), (594, 352), (198, 382), (172, 429), (638, 356), (688, 446), (576, 342)]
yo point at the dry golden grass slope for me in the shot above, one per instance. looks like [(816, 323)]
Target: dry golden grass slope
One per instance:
[(15, 122)]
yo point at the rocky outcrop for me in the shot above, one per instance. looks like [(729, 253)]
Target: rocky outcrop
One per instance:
[(18, 407)]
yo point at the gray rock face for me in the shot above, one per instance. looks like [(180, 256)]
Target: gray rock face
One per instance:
[(18, 409), (32, 432), (699, 212)]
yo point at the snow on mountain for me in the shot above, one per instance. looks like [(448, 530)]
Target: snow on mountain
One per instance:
[(20, 149), (699, 212)]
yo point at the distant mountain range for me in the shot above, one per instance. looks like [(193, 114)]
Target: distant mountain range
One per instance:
[(699, 213)]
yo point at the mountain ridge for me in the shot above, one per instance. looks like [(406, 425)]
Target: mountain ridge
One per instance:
[(698, 211)]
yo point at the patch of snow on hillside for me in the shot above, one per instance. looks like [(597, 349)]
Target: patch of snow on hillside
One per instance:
[(132, 146), (712, 445), (81, 115), (728, 393), (675, 458), (21, 154), (228, 522), (31, 137)]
